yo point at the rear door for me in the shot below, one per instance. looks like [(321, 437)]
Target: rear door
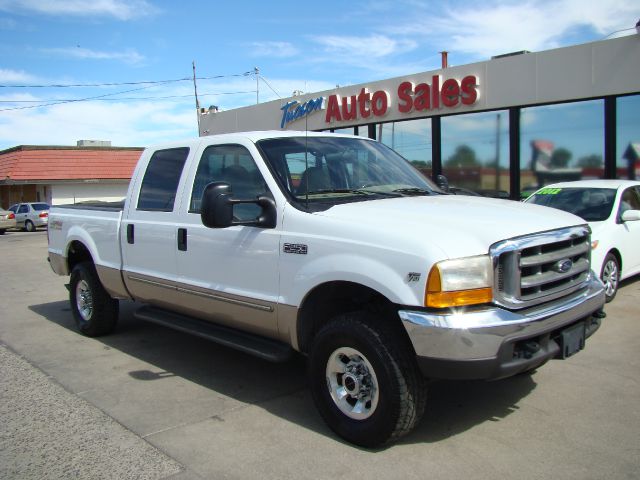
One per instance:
[(148, 233), (22, 213)]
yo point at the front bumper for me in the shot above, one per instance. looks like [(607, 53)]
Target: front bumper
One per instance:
[(493, 342)]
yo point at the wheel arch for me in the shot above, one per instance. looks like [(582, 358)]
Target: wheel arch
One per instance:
[(77, 252), (616, 253), (330, 299)]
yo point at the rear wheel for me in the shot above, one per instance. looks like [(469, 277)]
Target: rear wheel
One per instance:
[(29, 226), (364, 380), (94, 311), (610, 276)]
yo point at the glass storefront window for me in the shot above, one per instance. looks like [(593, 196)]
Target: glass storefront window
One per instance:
[(347, 131), (628, 137), (411, 139), (561, 143), (475, 152)]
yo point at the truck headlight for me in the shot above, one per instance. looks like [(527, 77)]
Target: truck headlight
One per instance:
[(459, 282)]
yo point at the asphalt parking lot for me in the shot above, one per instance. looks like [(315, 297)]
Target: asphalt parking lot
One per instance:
[(148, 402)]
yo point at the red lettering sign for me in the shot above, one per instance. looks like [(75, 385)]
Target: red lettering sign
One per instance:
[(469, 89), (410, 97)]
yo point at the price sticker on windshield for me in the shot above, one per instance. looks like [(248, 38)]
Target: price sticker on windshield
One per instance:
[(549, 191)]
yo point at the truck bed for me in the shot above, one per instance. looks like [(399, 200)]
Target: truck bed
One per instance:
[(96, 205), (96, 226)]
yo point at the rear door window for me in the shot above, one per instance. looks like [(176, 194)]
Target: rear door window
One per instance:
[(160, 182)]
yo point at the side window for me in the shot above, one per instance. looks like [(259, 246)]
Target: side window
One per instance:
[(160, 182), (234, 165), (630, 200), (23, 209)]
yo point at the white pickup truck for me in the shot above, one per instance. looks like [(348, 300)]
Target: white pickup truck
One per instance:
[(335, 247)]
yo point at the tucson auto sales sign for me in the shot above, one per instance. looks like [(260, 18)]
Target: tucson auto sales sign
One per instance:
[(409, 97)]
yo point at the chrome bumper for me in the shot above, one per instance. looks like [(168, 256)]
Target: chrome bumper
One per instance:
[(483, 343)]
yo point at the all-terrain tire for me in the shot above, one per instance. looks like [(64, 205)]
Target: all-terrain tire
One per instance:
[(364, 379), (94, 311)]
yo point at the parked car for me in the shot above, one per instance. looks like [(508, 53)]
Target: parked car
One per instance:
[(612, 208), (30, 216), (7, 220)]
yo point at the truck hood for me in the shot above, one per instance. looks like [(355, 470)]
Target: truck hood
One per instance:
[(458, 225)]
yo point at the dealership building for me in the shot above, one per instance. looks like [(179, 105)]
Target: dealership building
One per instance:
[(501, 127)]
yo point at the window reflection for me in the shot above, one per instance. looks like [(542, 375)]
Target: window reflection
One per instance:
[(628, 137), (348, 131), (411, 139), (475, 152), (561, 143)]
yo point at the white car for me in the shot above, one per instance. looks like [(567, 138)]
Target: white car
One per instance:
[(612, 208)]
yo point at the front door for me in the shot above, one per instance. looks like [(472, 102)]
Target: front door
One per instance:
[(230, 274)]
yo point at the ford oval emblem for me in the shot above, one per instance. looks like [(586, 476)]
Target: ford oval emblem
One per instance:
[(563, 266)]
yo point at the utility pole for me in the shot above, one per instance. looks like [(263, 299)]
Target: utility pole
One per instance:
[(256, 70), (195, 91), (498, 118)]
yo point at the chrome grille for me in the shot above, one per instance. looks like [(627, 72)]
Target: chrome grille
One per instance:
[(534, 269)]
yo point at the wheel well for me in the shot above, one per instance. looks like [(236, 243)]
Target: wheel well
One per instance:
[(77, 253), (616, 253), (330, 299)]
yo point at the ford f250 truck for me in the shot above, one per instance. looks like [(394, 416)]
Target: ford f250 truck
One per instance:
[(334, 247)]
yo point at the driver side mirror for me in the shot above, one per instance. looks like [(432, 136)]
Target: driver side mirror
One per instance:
[(630, 215), (217, 208)]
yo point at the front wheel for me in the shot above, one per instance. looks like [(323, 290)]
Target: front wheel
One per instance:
[(610, 276), (94, 311), (364, 380)]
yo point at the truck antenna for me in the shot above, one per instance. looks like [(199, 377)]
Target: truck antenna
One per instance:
[(195, 91)]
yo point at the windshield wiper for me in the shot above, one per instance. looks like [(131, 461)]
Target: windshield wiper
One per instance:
[(413, 191), (358, 191)]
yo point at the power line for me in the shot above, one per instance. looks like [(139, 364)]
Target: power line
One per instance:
[(115, 84), (619, 31), (60, 102), (209, 94), (268, 85)]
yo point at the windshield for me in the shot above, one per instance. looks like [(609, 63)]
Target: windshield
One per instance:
[(592, 204), (333, 170)]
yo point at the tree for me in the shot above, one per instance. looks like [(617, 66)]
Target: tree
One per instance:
[(420, 164), (560, 158), (463, 157), (590, 161)]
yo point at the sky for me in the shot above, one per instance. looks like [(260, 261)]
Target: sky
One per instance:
[(122, 70)]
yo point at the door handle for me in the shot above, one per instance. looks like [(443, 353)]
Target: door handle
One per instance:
[(130, 234), (182, 239)]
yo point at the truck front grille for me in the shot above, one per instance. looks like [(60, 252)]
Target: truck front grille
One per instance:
[(537, 268)]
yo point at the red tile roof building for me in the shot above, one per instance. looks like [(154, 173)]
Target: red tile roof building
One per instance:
[(28, 172)]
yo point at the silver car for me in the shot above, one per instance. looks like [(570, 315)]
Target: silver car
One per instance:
[(7, 220), (30, 216)]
